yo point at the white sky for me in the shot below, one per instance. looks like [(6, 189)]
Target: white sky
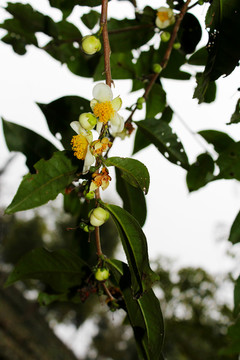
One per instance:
[(179, 225)]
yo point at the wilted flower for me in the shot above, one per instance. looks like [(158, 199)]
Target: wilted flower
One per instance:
[(165, 17), (100, 179), (80, 145), (100, 146), (105, 108)]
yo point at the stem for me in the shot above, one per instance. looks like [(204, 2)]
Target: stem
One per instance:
[(111, 298), (106, 45), (167, 54)]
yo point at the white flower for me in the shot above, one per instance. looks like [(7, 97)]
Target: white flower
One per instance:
[(80, 145), (165, 17), (105, 108)]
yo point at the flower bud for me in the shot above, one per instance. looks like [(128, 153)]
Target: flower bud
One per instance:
[(165, 36), (157, 68), (87, 121), (102, 274), (98, 216), (91, 44), (90, 195), (176, 45)]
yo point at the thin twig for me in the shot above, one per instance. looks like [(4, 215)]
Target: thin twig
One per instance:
[(106, 45), (111, 298)]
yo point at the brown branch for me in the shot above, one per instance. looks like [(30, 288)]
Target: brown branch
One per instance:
[(106, 45), (111, 298)]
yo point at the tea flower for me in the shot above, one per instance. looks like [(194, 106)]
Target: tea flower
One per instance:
[(100, 146), (165, 17), (105, 108), (100, 179), (80, 145)]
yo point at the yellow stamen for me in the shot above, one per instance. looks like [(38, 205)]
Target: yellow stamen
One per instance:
[(104, 111), (79, 146), (99, 146), (163, 15)]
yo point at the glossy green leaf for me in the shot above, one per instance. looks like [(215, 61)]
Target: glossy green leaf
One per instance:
[(223, 54), (156, 101), (228, 162), (133, 171), (91, 19), (201, 172), (51, 178), (162, 136), (133, 199), (59, 269), (61, 112), (237, 297), (220, 140), (19, 138), (144, 314), (235, 118), (135, 247), (190, 33), (234, 236), (199, 57)]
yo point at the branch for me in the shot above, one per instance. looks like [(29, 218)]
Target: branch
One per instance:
[(106, 45)]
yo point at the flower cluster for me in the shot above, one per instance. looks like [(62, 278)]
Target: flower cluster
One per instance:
[(165, 17), (104, 113)]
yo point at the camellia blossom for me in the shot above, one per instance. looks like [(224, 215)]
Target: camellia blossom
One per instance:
[(105, 108), (81, 145), (165, 17), (100, 179)]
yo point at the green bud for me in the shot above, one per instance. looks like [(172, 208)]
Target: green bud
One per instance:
[(90, 195), (157, 68), (87, 121), (201, 2), (176, 45), (82, 225), (91, 44), (86, 228), (98, 216), (102, 274), (165, 36), (141, 100)]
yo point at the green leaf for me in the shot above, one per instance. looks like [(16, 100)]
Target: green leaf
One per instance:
[(133, 199), (223, 54), (61, 112), (234, 236), (32, 145), (235, 118), (51, 178), (91, 19), (199, 57), (156, 101), (237, 298), (233, 336), (133, 171), (66, 6), (59, 269), (162, 136), (228, 162), (201, 172), (220, 140), (144, 314), (190, 33), (135, 247)]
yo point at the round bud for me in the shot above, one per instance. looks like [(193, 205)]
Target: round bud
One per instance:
[(165, 36), (102, 274), (157, 68), (87, 121), (98, 216), (91, 44), (201, 2), (86, 229), (176, 45), (90, 195)]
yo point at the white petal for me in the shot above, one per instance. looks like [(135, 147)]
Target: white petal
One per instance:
[(116, 103), (89, 160), (93, 102), (76, 126), (99, 127), (117, 124), (102, 92)]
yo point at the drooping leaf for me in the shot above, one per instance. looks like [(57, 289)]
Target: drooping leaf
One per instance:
[(235, 118), (91, 19), (237, 297), (234, 236), (59, 269), (133, 171), (133, 199), (156, 101), (201, 172), (140, 141), (162, 136), (220, 140), (190, 33), (144, 314), (135, 247), (61, 112), (228, 162), (199, 57), (223, 54), (51, 178), (32, 145)]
